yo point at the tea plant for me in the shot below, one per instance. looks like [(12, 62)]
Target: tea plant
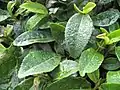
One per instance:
[(59, 45)]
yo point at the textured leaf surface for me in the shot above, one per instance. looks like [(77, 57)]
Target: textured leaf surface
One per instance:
[(31, 37), (3, 15), (68, 84), (77, 33), (106, 18), (113, 77), (67, 67), (33, 21), (89, 61), (35, 7), (106, 86), (37, 62)]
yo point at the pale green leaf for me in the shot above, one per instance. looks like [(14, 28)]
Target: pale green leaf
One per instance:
[(77, 33), (31, 37), (35, 7), (113, 77), (89, 7), (106, 18), (37, 62), (89, 61)]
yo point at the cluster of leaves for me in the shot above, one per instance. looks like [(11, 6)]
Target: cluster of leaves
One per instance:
[(59, 45)]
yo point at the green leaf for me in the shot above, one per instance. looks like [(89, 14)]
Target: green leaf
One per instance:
[(68, 83), (114, 26), (3, 15), (89, 7), (31, 37), (33, 21), (94, 76), (67, 67), (114, 36), (111, 63), (113, 77), (37, 62), (8, 61), (25, 84), (106, 18), (106, 86), (117, 52), (89, 61), (34, 7), (57, 31), (77, 33)]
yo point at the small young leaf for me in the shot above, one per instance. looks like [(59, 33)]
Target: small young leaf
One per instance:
[(35, 7), (106, 18), (89, 61), (94, 76), (31, 37), (89, 7), (33, 21), (113, 77), (37, 62), (77, 33)]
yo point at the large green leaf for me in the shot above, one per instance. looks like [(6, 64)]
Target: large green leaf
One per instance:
[(31, 37), (67, 67), (68, 83), (113, 77), (117, 52), (77, 33), (111, 63), (34, 7), (106, 18), (2, 49), (89, 61), (3, 15), (33, 21), (37, 62), (106, 86)]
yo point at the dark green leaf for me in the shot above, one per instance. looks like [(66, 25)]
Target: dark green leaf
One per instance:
[(117, 52)]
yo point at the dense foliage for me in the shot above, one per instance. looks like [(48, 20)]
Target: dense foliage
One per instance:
[(59, 45)]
